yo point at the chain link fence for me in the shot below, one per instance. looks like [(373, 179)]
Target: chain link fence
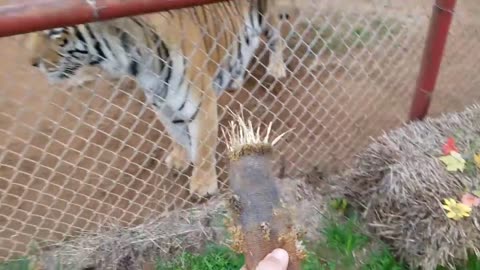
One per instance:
[(78, 158)]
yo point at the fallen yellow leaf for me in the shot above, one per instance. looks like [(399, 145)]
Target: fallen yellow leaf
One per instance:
[(476, 158), (456, 210), (454, 162)]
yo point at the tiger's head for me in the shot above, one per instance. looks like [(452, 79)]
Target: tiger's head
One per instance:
[(59, 53)]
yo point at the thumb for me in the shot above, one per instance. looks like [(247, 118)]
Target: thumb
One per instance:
[(276, 260)]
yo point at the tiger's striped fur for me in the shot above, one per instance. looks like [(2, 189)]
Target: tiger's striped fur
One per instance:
[(182, 59)]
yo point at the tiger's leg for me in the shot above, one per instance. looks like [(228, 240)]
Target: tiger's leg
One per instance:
[(177, 158), (238, 79), (276, 66), (203, 130), (194, 139)]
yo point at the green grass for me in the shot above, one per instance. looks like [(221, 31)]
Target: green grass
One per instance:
[(383, 259), (20, 264), (342, 241), (345, 237), (345, 246), (214, 258)]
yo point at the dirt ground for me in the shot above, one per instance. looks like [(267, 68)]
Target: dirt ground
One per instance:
[(76, 160)]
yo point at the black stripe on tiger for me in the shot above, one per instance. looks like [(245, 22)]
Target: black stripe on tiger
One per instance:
[(127, 42), (187, 93), (97, 46), (133, 68), (188, 121), (78, 34), (164, 55), (164, 61)]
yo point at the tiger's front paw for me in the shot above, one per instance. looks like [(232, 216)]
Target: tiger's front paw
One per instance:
[(203, 183), (177, 159), (277, 68), (236, 84)]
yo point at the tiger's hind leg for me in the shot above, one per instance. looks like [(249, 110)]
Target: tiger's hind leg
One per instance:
[(203, 130), (276, 66)]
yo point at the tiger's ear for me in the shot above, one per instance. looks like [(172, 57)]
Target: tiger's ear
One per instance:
[(36, 44), (32, 40), (61, 40), (57, 38), (283, 10)]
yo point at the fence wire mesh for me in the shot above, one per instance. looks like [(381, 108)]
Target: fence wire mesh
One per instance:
[(77, 158)]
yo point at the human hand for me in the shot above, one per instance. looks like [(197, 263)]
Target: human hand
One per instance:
[(276, 260)]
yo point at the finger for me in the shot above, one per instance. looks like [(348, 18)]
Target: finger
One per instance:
[(277, 260)]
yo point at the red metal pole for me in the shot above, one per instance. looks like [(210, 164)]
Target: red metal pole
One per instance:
[(25, 16), (432, 57)]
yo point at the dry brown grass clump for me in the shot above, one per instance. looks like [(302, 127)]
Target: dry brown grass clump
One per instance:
[(164, 238), (399, 184), (160, 238)]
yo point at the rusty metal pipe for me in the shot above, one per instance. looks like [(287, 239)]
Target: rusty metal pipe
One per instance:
[(432, 57), (23, 16)]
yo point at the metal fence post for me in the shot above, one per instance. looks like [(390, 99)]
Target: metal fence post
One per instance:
[(432, 57)]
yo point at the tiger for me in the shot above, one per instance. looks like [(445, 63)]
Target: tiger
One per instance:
[(183, 60)]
